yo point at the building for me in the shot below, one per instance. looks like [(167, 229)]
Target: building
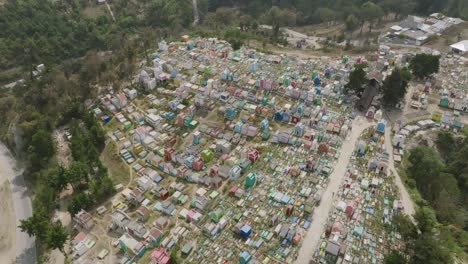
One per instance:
[(84, 219), (131, 246), (160, 256), (371, 91), (460, 47)]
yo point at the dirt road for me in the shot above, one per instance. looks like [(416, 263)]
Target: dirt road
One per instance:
[(294, 36), (319, 218), (16, 246), (408, 206)]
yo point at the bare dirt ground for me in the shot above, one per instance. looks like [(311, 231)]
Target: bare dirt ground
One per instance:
[(61, 214), (63, 150), (408, 205), (320, 215)]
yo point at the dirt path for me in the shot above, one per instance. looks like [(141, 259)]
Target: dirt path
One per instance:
[(319, 218), (293, 37), (63, 149), (110, 11), (408, 205), (196, 16)]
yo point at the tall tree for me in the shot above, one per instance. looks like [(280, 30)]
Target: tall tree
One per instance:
[(278, 18), (394, 257), (56, 236), (351, 22), (428, 250), (426, 219), (36, 225), (357, 79), (370, 12), (41, 148), (394, 87), (423, 65)]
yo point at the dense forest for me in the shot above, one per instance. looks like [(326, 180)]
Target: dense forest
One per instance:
[(440, 174), (43, 31)]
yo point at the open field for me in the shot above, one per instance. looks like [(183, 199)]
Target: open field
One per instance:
[(117, 169)]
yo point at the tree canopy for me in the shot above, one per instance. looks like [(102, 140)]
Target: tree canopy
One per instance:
[(423, 65), (394, 87), (357, 79)]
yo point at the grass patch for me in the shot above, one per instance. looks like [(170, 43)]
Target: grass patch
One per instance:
[(118, 171)]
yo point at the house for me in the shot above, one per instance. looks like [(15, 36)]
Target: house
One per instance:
[(84, 219), (206, 155), (217, 214), (381, 126), (234, 172), (152, 174), (187, 248), (197, 164), (144, 183), (129, 245), (136, 230), (398, 141), (160, 256), (250, 179), (444, 102), (143, 213), (155, 236), (371, 91), (460, 47), (211, 229), (165, 207), (334, 244), (162, 192), (153, 120), (161, 222), (169, 154), (253, 155), (81, 236), (350, 206), (245, 231), (134, 195), (119, 221), (200, 202), (244, 257)]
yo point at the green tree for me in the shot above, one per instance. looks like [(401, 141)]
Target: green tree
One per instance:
[(57, 178), (400, 8), (370, 12), (422, 160), (423, 65), (56, 236), (41, 148), (405, 227), (394, 87), (446, 143), (225, 16), (428, 250), (357, 80), (278, 18), (426, 219), (78, 202), (36, 225), (326, 15), (394, 257), (77, 173), (351, 22)]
